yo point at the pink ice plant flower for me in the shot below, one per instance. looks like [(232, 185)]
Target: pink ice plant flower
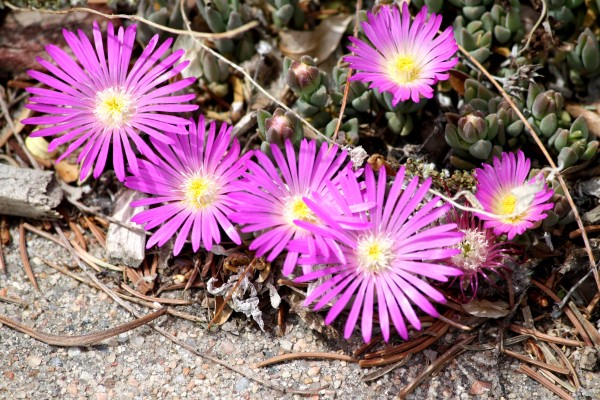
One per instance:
[(403, 58), (271, 197), (385, 265), (481, 255), (97, 100), (191, 185), (503, 189)]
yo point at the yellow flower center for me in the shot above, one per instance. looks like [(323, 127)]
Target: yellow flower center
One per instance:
[(405, 69), (199, 192), (374, 253), (297, 210), (508, 206), (113, 107)]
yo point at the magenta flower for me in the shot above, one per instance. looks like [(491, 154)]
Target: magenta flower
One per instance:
[(385, 263), (405, 58), (504, 191), (95, 102), (270, 202), (481, 253), (191, 184)]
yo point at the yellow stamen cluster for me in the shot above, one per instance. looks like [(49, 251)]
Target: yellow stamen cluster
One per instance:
[(374, 253), (199, 192), (507, 206), (114, 107), (296, 209), (404, 69)]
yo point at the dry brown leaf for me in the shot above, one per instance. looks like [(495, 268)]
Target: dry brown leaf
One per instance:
[(457, 81), (67, 172), (592, 118), (319, 44), (38, 147), (487, 309)]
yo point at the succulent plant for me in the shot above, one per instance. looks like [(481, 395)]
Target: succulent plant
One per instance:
[(310, 85), (584, 59), (168, 14), (473, 9), (473, 137), (287, 13), (475, 36), (215, 73), (347, 134), (225, 15), (507, 22), (359, 95), (277, 127), (565, 13), (433, 6), (488, 125)]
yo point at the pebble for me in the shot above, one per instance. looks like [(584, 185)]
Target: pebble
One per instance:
[(33, 361), (242, 384), (74, 351), (137, 341), (314, 371), (123, 337), (286, 345)]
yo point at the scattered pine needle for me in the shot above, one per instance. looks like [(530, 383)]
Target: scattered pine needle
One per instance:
[(303, 356), (25, 257), (544, 382)]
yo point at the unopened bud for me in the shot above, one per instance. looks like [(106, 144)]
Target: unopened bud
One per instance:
[(303, 76)]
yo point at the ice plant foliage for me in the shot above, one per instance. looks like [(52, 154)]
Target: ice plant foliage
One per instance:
[(191, 183), (404, 58), (271, 197), (97, 100), (386, 262), (503, 189), (481, 253)]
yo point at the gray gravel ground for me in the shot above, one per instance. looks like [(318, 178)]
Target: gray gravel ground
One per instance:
[(141, 364)]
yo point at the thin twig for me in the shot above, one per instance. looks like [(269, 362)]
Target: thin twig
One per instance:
[(535, 26), (454, 351), (545, 382), (538, 141), (566, 361), (543, 336), (81, 340), (25, 257), (202, 35), (4, 108), (349, 74), (175, 302), (537, 363), (304, 356), (582, 332)]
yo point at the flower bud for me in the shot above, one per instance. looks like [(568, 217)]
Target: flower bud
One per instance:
[(303, 76), (281, 126)]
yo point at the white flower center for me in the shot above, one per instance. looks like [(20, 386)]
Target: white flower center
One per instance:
[(473, 250), (200, 192), (114, 107), (374, 253)]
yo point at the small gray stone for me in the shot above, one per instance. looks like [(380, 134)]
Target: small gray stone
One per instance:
[(123, 337), (242, 384), (33, 361), (74, 351), (55, 362), (286, 345), (137, 341)]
